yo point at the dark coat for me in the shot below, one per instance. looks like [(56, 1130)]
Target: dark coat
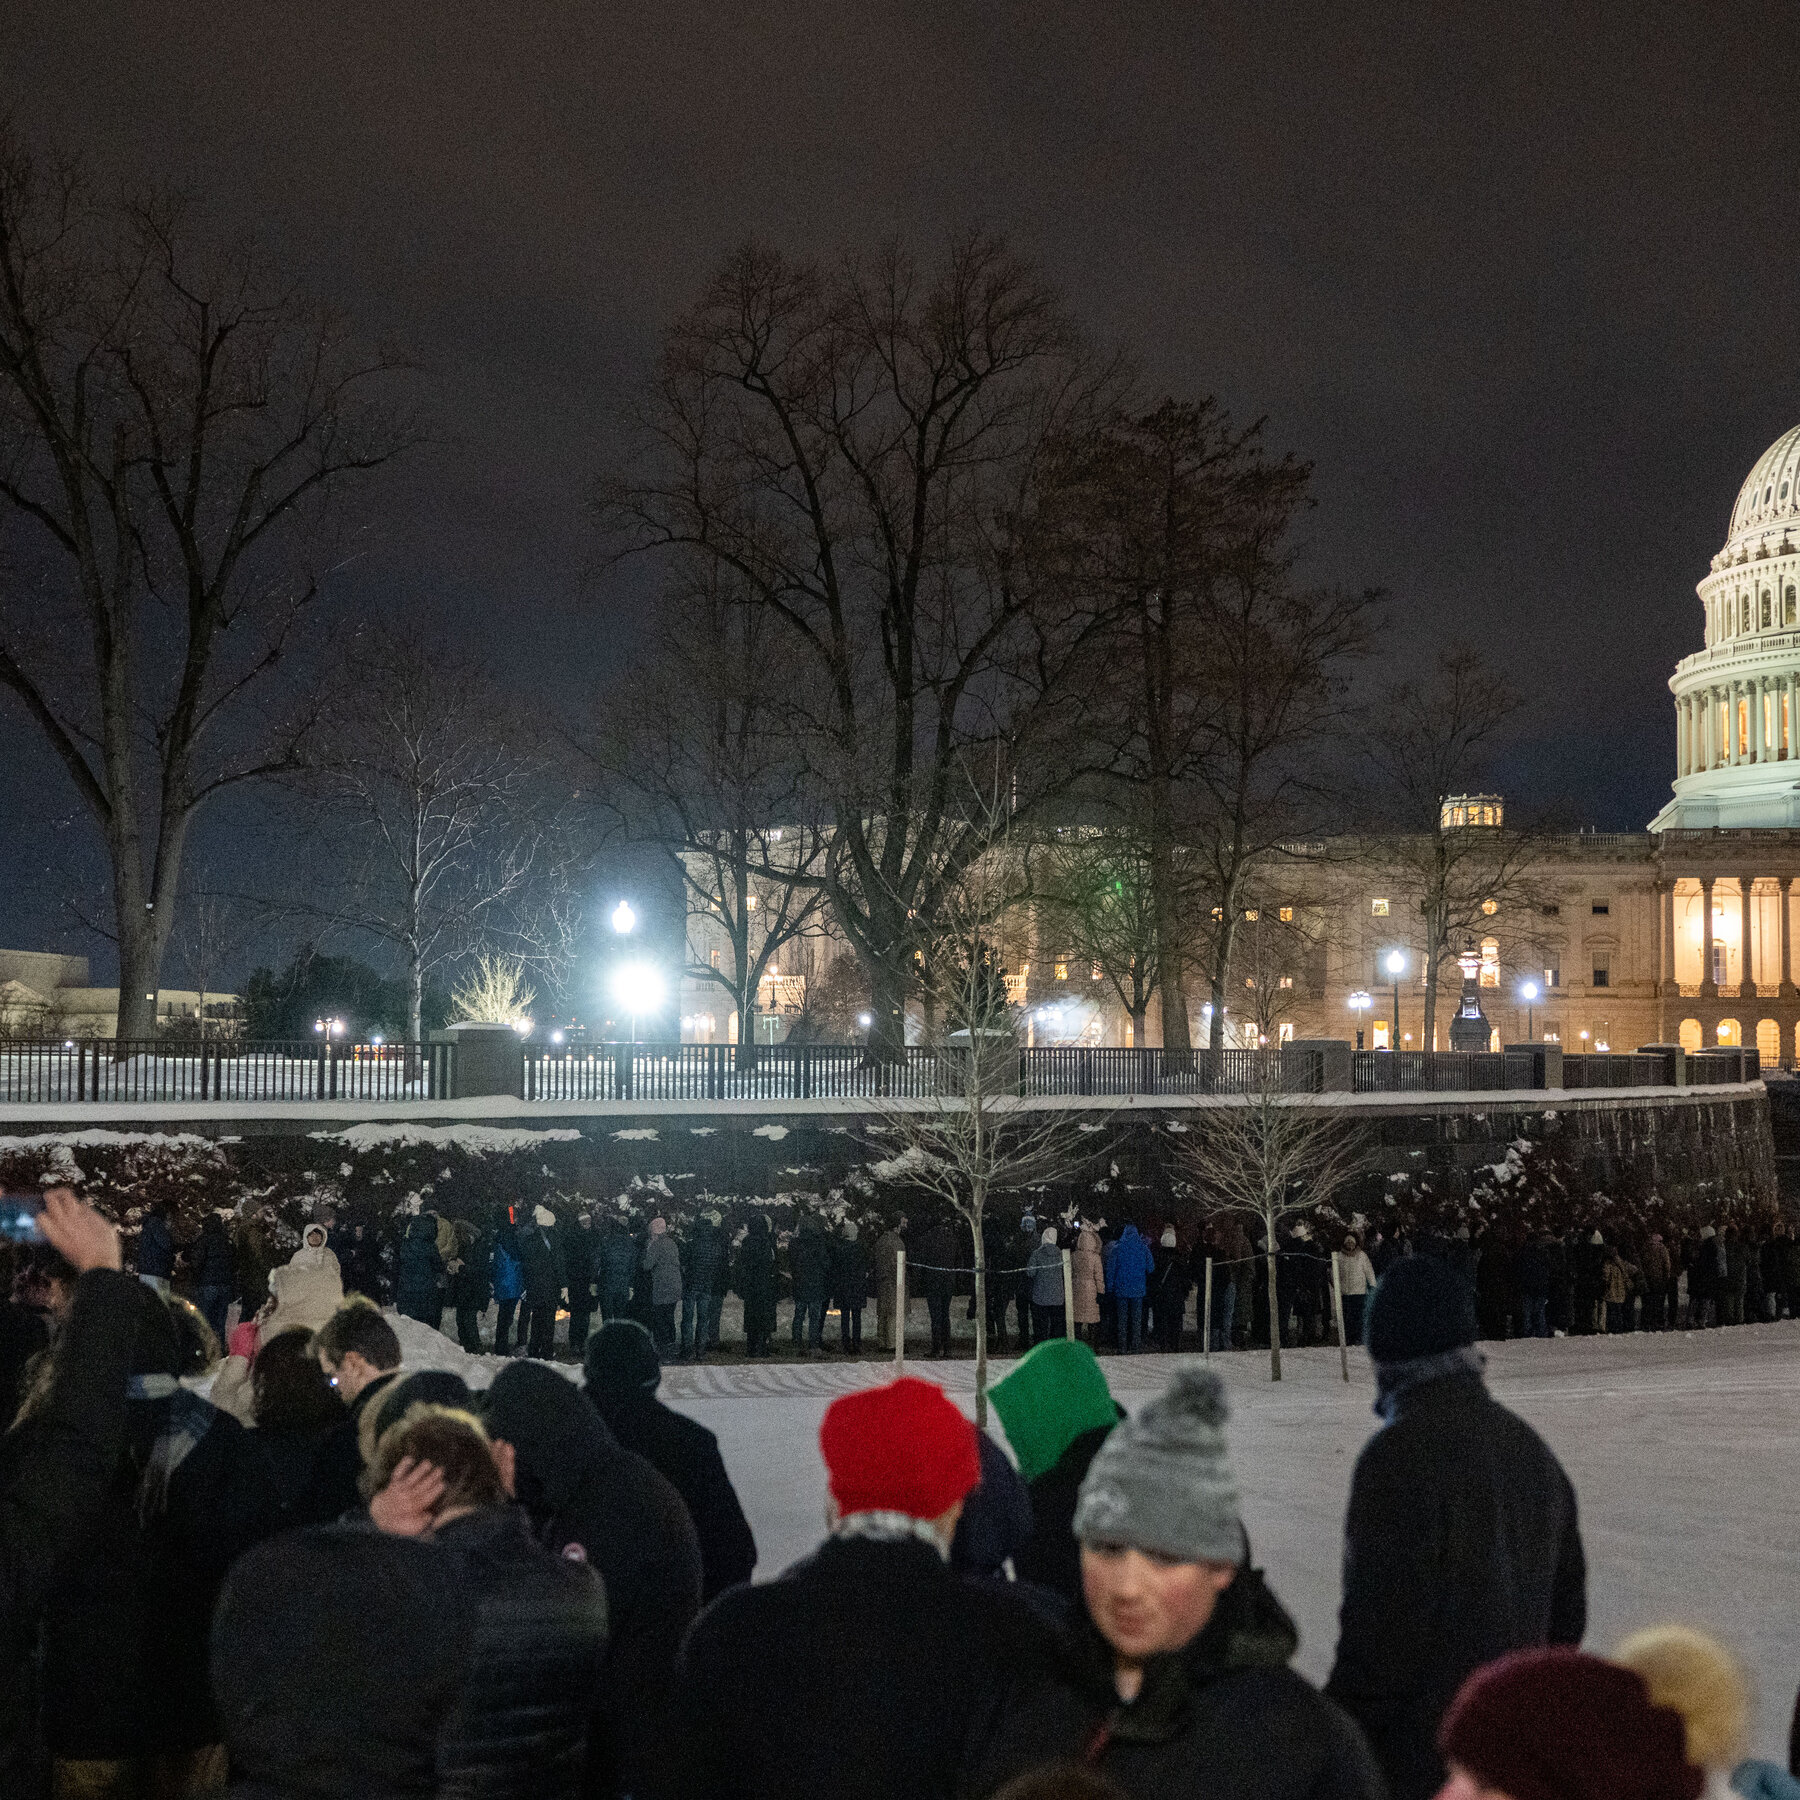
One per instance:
[(809, 1262), (1461, 1544), (212, 1258), (617, 1264), (706, 1257), (23, 1333), (470, 1287), (332, 1489), (53, 1478), (756, 1277), (337, 1655), (541, 1259), (583, 1489), (1223, 1719), (1051, 1557), (688, 1454), (864, 1670), (537, 1642), (416, 1291), (580, 1254), (935, 1254), (850, 1272), (155, 1246)]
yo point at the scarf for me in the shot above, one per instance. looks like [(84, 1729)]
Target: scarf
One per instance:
[(1393, 1380), (890, 1528)]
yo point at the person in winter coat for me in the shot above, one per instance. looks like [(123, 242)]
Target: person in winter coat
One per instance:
[(1090, 1283), (618, 1267), (1356, 1276), (1658, 1282), (360, 1356), (296, 1412), (540, 1257), (126, 1682), (1558, 1725), (507, 1275), (537, 1621), (1044, 1267), (55, 1469), (470, 1287), (1173, 1681), (303, 1294), (215, 1272), (622, 1375), (662, 1269), (589, 1497), (581, 1255), (1531, 1269), (887, 1276), (850, 1286), (756, 1278), (1131, 1270), (936, 1256), (1461, 1542), (996, 1521), (155, 1248), (809, 1272), (1167, 1295), (360, 1262), (864, 1669), (700, 1291), (418, 1289), (1057, 1411)]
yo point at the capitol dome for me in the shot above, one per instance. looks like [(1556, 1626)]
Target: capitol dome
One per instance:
[(1737, 699)]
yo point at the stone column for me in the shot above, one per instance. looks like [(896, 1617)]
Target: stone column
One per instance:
[(1709, 989), (1787, 990), (1731, 724), (1746, 937)]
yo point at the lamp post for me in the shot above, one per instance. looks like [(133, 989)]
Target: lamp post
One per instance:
[(1396, 967), (1528, 992), (639, 989), (1360, 1002), (624, 920)]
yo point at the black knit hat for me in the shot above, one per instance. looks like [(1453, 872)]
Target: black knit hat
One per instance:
[(621, 1359), (1422, 1307)]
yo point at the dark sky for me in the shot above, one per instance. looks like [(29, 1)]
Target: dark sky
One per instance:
[(1520, 279)]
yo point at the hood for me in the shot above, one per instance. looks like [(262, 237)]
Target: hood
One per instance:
[(1129, 1235), (560, 1439)]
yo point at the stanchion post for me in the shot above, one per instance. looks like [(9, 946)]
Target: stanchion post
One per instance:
[(900, 1313), (1068, 1295), (1337, 1303), (1206, 1316)]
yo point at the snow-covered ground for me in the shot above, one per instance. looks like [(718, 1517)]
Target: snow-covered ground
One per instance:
[(1684, 1449)]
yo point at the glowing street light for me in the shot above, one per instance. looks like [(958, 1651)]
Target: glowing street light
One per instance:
[(639, 989), (1396, 967), (1360, 1002), (1528, 992), (624, 920), (329, 1028)]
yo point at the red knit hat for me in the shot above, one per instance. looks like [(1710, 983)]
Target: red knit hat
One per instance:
[(1558, 1725), (901, 1448)]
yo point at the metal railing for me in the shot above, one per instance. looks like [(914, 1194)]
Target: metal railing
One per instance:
[(107, 1069)]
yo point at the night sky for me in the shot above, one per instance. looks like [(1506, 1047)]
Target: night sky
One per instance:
[(1521, 282)]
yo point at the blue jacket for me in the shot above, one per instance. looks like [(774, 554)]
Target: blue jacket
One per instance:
[(1128, 1277), (509, 1274)]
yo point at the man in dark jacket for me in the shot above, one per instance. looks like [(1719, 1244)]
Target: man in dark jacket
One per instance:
[(360, 1355), (537, 1622), (589, 1499), (864, 1669), (1461, 1541), (540, 1256), (700, 1288), (215, 1272), (581, 1250), (618, 1260), (622, 1377), (1173, 1682), (934, 1257), (809, 1264), (850, 1285), (155, 1248), (418, 1293), (53, 1477)]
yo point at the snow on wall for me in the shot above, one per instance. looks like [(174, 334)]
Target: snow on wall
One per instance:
[(475, 1140)]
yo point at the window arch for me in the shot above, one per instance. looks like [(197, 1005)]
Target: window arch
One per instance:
[(1690, 1037), (1729, 1034), (1743, 612), (1768, 1041), (1767, 617), (1788, 616)]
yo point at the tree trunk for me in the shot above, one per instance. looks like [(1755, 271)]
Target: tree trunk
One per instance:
[(415, 1000), (1178, 1044), (1274, 1303), (746, 1044), (1428, 1038), (981, 1342), (1138, 1016), (141, 940), (887, 1013), (1223, 946)]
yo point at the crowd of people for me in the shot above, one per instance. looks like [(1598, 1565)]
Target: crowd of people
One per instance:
[(339, 1578)]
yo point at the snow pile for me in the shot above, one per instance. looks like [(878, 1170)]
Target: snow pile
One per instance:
[(472, 1140), (422, 1348)]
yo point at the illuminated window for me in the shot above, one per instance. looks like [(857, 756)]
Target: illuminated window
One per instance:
[(1062, 971), (1553, 976), (1250, 913), (1490, 907), (1249, 981), (1094, 973), (1287, 981), (1490, 963), (1286, 1033), (750, 903), (1287, 915), (715, 959), (1379, 908)]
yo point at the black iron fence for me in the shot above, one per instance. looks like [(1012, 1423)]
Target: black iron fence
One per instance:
[(82, 1071)]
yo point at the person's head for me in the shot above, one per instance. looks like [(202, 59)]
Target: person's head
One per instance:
[(429, 1387), (544, 1217), (850, 1231), (355, 1346), (1048, 1235), (1422, 1307), (620, 1364), (547, 1436), (1697, 1677), (454, 1443), (585, 1221), (1561, 1725), (1168, 1237), (901, 1448), (1054, 1394), (659, 1227), (1350, 1244), (1158, 1522), (1027, 1223), (290, 1392), (314, 1236)]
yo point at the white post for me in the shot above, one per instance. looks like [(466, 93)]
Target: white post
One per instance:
[(1068, 1295), (1206, 1314), (900, 1313), (1337, 1303)]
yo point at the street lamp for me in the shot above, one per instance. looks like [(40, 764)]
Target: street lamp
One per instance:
[(1528, 992), (329, 1028), (1360, 1002), (1396, 967), (639, 989), (624, 920)]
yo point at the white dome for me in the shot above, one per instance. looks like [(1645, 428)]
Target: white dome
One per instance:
[(1770, 496)]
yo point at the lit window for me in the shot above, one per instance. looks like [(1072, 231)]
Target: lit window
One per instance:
[(1490, 962), (1490, 907), (1379, 908), (1287, 915), (1094, 973), (1287, 981), (715, 959), (1553, 977), (750, 903), (1062, 971), (1249, 981), (1286, 1033), (1250, 913)]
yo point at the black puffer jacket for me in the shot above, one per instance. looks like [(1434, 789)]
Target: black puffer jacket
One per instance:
[(583, 1490), (337, 1655), (1461, 1543), (1223, 1719), (1051, 1558), (537, 1642)]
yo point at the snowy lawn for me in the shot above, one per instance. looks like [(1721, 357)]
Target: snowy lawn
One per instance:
[(1684, 1449)]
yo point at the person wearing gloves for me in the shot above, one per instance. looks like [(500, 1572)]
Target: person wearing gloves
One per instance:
[(1461, 1540), (866, 1668), (1173, 1680), (1560, 1725)]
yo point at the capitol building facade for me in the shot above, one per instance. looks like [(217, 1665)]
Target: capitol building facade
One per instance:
[(1683, 932)]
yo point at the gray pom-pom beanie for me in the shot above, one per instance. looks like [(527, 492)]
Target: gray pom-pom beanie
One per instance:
[(1161, 1481)]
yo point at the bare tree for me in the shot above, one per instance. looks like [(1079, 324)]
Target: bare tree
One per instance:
[(1096, 890), (449, 831), (696, 760), (175, 425), (977, 1137), (1271, 1153), (493, 990), (211, 934), (860, 447), (1278, 959), (1436, 739)]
